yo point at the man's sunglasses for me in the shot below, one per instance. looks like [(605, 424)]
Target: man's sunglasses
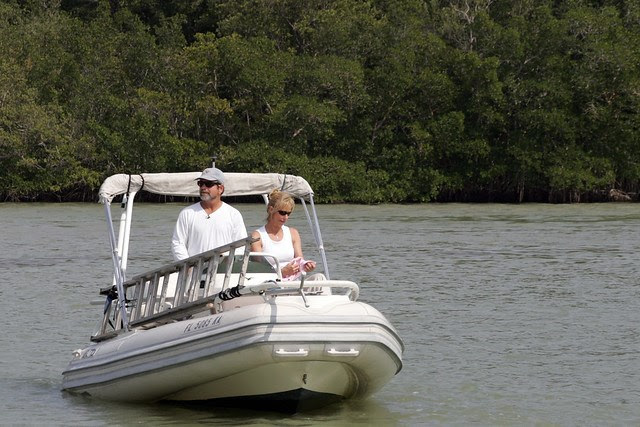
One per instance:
[(207, 184), (284, 213)]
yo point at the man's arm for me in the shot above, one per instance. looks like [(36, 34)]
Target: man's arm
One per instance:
[(179, 239), (239, 229)]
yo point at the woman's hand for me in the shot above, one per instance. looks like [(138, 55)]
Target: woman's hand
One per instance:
[(290, 269), (293, 268), (309, 266)]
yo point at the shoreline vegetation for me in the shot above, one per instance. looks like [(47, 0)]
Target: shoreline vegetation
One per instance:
[(371, 101)]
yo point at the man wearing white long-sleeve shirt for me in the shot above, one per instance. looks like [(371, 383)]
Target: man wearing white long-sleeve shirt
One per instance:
[(209, 223)]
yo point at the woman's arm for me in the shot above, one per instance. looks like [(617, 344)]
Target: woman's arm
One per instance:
[(256, 246), (297, 244), (297, 250)]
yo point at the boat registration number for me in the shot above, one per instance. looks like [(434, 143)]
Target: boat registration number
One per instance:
[(201, 324)]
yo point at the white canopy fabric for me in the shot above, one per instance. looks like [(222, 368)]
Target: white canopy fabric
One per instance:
[(184, 184)]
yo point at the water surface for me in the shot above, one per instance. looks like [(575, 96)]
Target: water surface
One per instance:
[(511, 314)]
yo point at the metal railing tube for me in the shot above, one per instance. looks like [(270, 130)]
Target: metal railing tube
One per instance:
[(118, 273), (124, 244), (318, 235)]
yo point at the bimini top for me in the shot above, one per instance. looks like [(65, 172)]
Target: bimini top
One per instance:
[(184, 184)]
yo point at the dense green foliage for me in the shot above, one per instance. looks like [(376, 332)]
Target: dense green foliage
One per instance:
[(370, 100)]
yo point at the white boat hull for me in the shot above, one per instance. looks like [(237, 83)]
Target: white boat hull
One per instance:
[(278, 351)]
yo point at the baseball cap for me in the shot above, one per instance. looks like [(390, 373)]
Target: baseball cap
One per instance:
[(212, 174)]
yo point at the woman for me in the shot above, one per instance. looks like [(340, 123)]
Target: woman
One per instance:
[(280, 240)]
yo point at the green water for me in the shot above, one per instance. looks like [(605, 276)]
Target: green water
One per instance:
[(511, 315)]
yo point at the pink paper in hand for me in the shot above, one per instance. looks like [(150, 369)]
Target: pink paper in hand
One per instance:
[(300, 262)]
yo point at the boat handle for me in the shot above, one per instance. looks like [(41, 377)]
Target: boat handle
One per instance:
[(350, 352), (298, 352)]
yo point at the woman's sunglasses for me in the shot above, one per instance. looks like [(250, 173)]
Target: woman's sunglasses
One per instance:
[(284, 213)]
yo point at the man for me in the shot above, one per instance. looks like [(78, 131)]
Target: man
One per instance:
[(208, 224)]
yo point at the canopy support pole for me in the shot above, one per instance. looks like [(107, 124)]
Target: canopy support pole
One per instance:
[(123, 239), (315, 228), (118, 274)]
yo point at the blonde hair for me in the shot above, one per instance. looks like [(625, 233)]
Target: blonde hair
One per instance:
[(279, 200)]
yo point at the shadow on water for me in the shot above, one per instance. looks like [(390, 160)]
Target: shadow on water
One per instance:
[(88, 411)]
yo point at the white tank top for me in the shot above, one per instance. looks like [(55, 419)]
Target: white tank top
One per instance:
[(282, 249)]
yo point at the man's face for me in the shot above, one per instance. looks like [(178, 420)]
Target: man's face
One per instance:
[(209, 190)]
